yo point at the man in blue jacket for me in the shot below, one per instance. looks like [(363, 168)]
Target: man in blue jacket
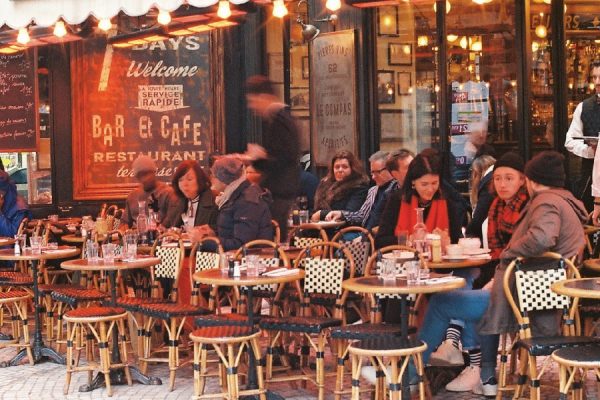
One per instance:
[(13, 207)]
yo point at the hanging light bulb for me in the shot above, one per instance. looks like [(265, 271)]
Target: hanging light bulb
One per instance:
[(224, 11), (535, 46), (541, 31), (279, 9), (59, 29), (333, 5), (23, 36), (452, 38), (481, 2), (476, 46), (422, 41), (105, 24), (463, 42), (548, 1), (164, 18), (448, 6)]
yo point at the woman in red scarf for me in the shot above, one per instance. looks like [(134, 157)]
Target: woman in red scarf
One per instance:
[(421, 190)]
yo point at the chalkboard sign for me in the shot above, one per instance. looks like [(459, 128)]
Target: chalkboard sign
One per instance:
[(154, 99), (19, 119)]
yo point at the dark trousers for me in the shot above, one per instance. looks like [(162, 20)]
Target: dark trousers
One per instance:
[(280, 210)]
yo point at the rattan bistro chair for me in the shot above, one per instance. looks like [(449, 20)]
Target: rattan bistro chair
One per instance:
[(323, 279), (531, 279), (206, 254), (14, 304)]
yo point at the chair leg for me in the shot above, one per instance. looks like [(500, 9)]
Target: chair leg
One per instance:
[(356, 366), (522, 373), (340, 347), (534, 387), (395, 379), (69, 360), (421, 372), (320, 361), (122, 338), (259, 368)]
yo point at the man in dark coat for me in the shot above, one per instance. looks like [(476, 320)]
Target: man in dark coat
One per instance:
[(277, 158)]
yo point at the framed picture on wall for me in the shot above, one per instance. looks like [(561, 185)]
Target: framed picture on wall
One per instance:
[(305, 67), (387, 21), (404, 83), (395, 125), (400, 53), (386, 88), (299, 98), (275, 67)]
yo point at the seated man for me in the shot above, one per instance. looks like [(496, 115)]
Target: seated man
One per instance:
[(13, 207), (243, 207), (152, 192)]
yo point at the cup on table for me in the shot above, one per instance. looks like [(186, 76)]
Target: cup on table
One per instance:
[(252, 264), (91, 252), (403, 238), (387, 270), (35, 242), (224, 265), (469, 243), (52, 245), (53, 218), (22, 239), (108, 253), (130, 246), (421, 246), (454, 250), (303, 215), (412, 272)]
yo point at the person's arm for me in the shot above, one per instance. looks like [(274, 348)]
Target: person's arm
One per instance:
[(357, 198), (357, 217), (480, 214), (541, 235), (388, 220), (10, 225), (578, 146)]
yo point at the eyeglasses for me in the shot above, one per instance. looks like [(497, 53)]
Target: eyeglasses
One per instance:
[(377, 171)]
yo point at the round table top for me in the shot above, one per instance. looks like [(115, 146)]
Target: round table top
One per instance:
[(215, 277), (7, 241), (592, 263), (581, 287), (451, 264), (72, 238), (269, 252), (589, 229), (48, 254), (117, 265), (322, 224), (374, 284)]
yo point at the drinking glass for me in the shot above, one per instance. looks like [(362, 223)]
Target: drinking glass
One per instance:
[(108, 253), (224, 265), (412, 272), (130, 246), (387, 270), (303, 214), (403, 238), (53, 218), (35, 242), (22, 238), (252, 262), (92, 252)]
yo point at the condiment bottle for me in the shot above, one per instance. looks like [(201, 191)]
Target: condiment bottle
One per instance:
[(436, 248)]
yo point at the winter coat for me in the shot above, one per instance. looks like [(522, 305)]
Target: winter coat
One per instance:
[(14, 208), (245, 216), (206, 213), (347, 195), (551, 221)]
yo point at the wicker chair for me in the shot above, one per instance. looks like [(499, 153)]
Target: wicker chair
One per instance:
[(201, 260), (323, 279), (15, 304), (361, 250), (276, 231), (532, 278)]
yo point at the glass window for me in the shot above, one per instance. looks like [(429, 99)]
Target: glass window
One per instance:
[(406, 85)]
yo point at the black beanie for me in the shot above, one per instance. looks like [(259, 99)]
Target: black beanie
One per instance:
[(511, 160), (547, 168)]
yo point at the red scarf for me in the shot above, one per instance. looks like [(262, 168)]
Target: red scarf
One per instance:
[(436, 218), (503, 217)]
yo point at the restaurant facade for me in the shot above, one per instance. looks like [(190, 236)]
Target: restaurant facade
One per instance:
[(361, 75)]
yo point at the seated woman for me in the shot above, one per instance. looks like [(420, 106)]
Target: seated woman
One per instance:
[(421, 188), (344, 188), (13, 207), (194, 203), (469, 305), (243, 207)]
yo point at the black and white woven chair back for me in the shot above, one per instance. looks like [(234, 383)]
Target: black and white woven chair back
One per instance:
[(324, 276), (170, 260), (206, 260), (305, 241), (360, 252), (533, 289)]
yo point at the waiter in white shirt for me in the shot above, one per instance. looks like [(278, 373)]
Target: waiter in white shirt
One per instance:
[(586, 122)]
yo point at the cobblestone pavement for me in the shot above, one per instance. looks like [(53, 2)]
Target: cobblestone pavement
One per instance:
[(46, 380)]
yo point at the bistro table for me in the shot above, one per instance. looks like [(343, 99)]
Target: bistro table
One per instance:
[(218, 278), (593, 264), (579, 287), (399, 286), (458, 263), (39, 349), (6, 241), (117, 376)]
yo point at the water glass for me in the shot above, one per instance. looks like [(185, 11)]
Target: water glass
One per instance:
[(387, 269), (252, 263), (412, 272), (91, 250), (224, 265), (130, 246), (421, 246), (53, 218), (35, 243), (22, 238), (108, 253), (403, 238), (303, 214)]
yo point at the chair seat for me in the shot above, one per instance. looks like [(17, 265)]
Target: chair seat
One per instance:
[(366, 331), (222, 332), (544, 346), (589, 311), (94, 312), (133, 304), (49, 288), (12, 278), (172, 310), (74, 295), (581, 354), (229, 319), (386, 343), (299, 324), (13, 295)]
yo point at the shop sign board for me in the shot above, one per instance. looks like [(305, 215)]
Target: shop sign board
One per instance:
[(333, 95)]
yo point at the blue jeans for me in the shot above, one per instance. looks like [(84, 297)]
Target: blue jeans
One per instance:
[(465, 305)]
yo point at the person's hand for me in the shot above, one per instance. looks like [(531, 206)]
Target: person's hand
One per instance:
[(593, 143), (316, 217), (333, 216), (255, 152), (596, 215), (198, 233)]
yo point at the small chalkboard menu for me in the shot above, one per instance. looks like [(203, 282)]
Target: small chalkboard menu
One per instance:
[(19, 127), (155, 99)]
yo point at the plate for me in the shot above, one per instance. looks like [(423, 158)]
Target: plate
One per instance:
[(403, 257), (456, 258), (475, 252)]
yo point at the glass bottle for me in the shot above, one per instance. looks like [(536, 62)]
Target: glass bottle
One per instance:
[(142, 220), (419, 232)]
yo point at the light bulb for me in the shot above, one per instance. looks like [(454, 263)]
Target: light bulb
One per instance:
[(548, 1), (463, 42), (481, 2), (279, 9), (422, 41), (535, 46), (23, 36), (224, 11), (541, 31), (59, 29), (452, 38), (448, 6), (163, 17), (476, 46), (333, 5), (104, 24)]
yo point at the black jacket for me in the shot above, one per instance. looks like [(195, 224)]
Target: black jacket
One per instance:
[(484, 201), (206, 213)]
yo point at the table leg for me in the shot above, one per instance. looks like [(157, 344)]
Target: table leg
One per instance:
[(39, 349), (117, 375)]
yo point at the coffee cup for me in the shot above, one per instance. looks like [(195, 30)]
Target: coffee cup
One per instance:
[(454, 250)]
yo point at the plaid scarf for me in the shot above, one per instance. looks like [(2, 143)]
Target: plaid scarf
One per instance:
[(502, 220)]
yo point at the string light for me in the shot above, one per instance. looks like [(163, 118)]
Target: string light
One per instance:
[(333, 5), (482, 2), (23, 36), (279, 9), (452, 38), (224, 11), (59, 29), (105, 24), (164, 18)]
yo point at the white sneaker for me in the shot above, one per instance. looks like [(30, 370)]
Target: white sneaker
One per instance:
[(488, 389), (466, 381), (446, 355)]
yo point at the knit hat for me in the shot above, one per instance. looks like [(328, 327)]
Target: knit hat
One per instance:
[(510, 160), (547, 168), (227, 169), (143, 164)]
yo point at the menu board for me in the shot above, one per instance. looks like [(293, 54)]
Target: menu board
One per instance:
[(154, 99), (19, 120), (333, 93)]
